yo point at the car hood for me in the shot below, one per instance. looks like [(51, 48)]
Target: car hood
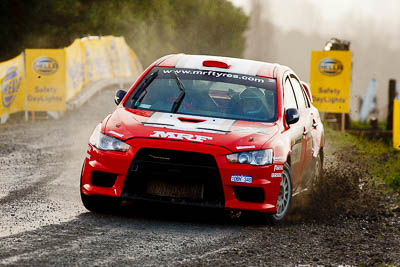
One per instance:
[(234, 135)]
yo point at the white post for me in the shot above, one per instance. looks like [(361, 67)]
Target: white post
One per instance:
[(25, 91)]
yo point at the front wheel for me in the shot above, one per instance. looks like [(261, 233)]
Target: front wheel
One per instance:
[(284, 198)]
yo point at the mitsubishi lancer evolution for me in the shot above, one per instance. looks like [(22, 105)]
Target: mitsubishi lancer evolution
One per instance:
[(207, 131)]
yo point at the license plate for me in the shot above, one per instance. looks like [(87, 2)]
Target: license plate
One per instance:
[(178, 190), (241, 179)]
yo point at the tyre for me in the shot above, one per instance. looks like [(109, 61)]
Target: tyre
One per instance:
[(100, 204), (284, 198)]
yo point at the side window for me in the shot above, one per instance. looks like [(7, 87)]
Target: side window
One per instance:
[(289, 101), (306, 93), (308, 101), (298, 90)]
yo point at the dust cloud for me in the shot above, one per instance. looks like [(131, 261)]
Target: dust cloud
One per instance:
[(287, 31)]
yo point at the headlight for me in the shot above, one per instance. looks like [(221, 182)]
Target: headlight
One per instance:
[(256, 157), (106, 142)]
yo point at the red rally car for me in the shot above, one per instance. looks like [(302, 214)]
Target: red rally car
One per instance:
[(207, 131)]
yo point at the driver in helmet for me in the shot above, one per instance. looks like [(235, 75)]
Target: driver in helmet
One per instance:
[(252, 103)]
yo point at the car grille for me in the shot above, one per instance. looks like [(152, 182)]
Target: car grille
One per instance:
[(173, 176)]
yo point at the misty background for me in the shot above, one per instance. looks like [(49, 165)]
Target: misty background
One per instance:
[(282, 31), (286, 31)]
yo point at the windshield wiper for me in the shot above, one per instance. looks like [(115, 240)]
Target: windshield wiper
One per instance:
[(179, 99), (142, 90)]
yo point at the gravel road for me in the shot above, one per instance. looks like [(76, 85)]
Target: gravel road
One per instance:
[(43, 222)]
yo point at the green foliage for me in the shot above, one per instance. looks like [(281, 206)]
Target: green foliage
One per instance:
[(363, 126), (387, 160), (152, 28)]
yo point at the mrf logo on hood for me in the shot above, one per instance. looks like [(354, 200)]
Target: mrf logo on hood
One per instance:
[(10, 85), (180, 136)]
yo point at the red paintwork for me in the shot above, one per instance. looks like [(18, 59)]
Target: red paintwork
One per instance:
[(216, 64), (279, 136), (169, 61), (267, 71)]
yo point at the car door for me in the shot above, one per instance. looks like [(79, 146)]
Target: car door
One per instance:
[(306, 123), (295, 134)]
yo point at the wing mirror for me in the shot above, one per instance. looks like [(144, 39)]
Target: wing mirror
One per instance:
[(119, 95), (292, 116)]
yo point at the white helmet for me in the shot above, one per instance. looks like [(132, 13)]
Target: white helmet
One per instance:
[(251, 101)]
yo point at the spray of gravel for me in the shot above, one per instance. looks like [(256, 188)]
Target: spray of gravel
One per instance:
[(344, 190)]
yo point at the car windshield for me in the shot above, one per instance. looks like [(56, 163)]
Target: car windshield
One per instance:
[(207, 93)]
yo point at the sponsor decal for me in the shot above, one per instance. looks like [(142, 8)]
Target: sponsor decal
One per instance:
[(245, 147), (10, 86), (276, 175), (330, 66), (45, 65), (87, 155), (278, 167), (218, 75), (241, 179), (181, 136)]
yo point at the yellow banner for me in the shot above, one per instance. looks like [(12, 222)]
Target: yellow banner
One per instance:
[(113, 53), (45, 79), (12, 85), (124, 61), (97, 61), (396, 123), (136, 67), (330, 78), (123, 54), (75, 71)]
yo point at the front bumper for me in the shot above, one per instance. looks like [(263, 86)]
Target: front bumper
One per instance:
[(260, 194)]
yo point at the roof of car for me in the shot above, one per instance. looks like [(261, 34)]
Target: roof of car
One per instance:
[(233, 65)]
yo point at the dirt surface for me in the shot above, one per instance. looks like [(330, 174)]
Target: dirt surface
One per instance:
[(344, 222)]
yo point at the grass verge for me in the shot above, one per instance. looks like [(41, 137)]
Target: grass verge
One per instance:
[(383, 160)]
